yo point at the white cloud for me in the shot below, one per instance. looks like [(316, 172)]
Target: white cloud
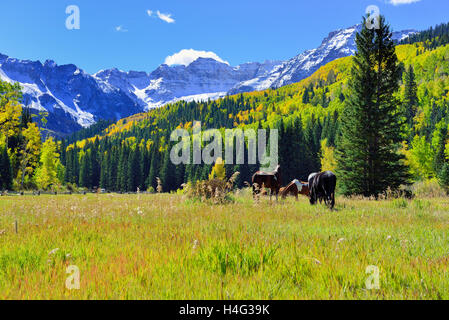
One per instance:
[(120, 29), (165, 17), (187, 56), (399, 2)]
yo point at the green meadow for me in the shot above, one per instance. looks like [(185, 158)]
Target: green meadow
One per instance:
[(163, 246)]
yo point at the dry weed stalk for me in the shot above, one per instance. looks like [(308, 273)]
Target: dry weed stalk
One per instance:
[(159, 185)]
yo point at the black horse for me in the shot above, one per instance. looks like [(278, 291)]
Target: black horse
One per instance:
[(322, 188), (271, 180)]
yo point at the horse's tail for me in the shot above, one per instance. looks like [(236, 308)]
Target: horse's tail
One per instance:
[(253, 178)]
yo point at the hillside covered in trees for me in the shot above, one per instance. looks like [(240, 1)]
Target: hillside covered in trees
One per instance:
[(431, 38), (133, 152)]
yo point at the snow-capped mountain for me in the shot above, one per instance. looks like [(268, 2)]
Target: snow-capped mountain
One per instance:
[(75, 99), (337, 44), (202, 79), (72, 98)]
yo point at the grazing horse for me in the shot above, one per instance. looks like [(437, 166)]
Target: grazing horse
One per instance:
[(294, 188), (270, 180), (319, 195), (322, 187), (310, 181)]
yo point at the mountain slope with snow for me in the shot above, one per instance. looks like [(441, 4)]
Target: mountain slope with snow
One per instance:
[(202, 78), (337, 44), (72, 98)]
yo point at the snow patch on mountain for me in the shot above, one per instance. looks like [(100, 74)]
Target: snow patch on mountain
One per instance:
[(338, 44), (73, 98), (203, 78)]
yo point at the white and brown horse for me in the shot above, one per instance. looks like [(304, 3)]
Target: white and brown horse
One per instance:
[(295, 188)]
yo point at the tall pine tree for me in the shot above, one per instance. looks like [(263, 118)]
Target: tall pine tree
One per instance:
[(104, 181), (410, 98), (168, 173), (367, 151)]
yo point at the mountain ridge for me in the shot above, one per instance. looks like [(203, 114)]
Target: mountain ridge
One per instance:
[(76, 99)]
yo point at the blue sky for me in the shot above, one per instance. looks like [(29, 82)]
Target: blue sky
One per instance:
[(124, 35)]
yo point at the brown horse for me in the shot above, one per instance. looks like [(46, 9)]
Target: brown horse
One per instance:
[(270, 180), (295, 188)]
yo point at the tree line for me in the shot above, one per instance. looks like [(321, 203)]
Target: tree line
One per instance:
[(130, 164), (431, 38)]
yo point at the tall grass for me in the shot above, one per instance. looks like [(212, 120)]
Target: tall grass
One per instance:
[(429, 188), (161, 247)]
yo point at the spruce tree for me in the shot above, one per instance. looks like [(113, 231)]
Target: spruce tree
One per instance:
[(134, 171), (441, 135), (305, 96), (367, 150), (285, 153), (95, 165), (154, 170), (245, 173), (180, 173), (85, 171), (26, 118), (112, 166), (300, 170), (144, 168), (5, 170), (104, 172), (443, 177), (293, 163), (410, 98), (68, 167), (312, 149), (168, 173), (122, 176), (62, 152)]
